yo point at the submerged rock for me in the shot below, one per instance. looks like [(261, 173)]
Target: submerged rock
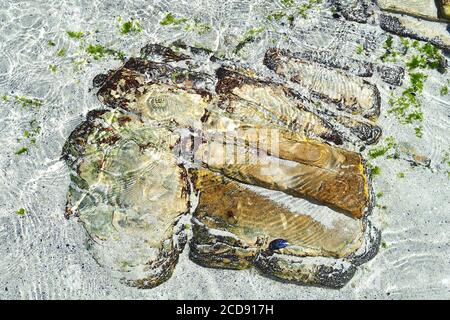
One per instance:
[(129, 192), (434, 33), (333, 60), (235, 226), (353, 10), (240, 152), (444, 9), (420, 8), (391, 74), (351, 94)]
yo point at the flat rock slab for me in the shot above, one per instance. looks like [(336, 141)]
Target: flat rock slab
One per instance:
[(445, 9), (425, 9), (237, 227), (129, 192), (435, 33), (351, 94)]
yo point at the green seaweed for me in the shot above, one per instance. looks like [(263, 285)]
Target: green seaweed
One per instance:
[(416, 62), (23, 101), (373, 170), (170, 19), (304, 8), (278, 16), (99, 51), (61, 52), (289, 12), (130, 26), (77, 63), (359, 49), (375, 153), (414, 116), (446, 161), (446, 158), (405, 43), (288, 3), (248, 37), (188, 24), (198, 27), (388, 43), (75, 34), (22, 151), (444, 90), (426, 56), (96, 51), (21, 211), (401, 105), (382, 150), (390, 53), (418, 131), (28, 102), (30, 136), (53, 68), (417, 81), (202, 28)]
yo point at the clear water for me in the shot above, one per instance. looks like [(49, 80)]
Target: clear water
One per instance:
[(43, 255)]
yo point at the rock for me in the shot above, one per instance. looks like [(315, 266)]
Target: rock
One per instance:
[(391, 74), (99, 80), (334, 60), (433, 33), (235, 141), (444, 9), (230, 233), (319, 172), (353, 10), (366, 132), (408, 153), (351, 94), (276, 99), (129, 193), (425, 9)]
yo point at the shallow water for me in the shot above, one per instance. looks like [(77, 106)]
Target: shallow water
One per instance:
[(44, 255)]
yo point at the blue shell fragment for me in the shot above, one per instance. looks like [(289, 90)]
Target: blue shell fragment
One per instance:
[(278, 244)]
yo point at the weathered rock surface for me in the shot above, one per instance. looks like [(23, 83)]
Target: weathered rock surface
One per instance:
[(129, 192), (444, 9), (391, 74), (332, 60), (353, 10), (351, 94), (437, 34), (318, 172), (237, 141), (235, 225), (420, 8)]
